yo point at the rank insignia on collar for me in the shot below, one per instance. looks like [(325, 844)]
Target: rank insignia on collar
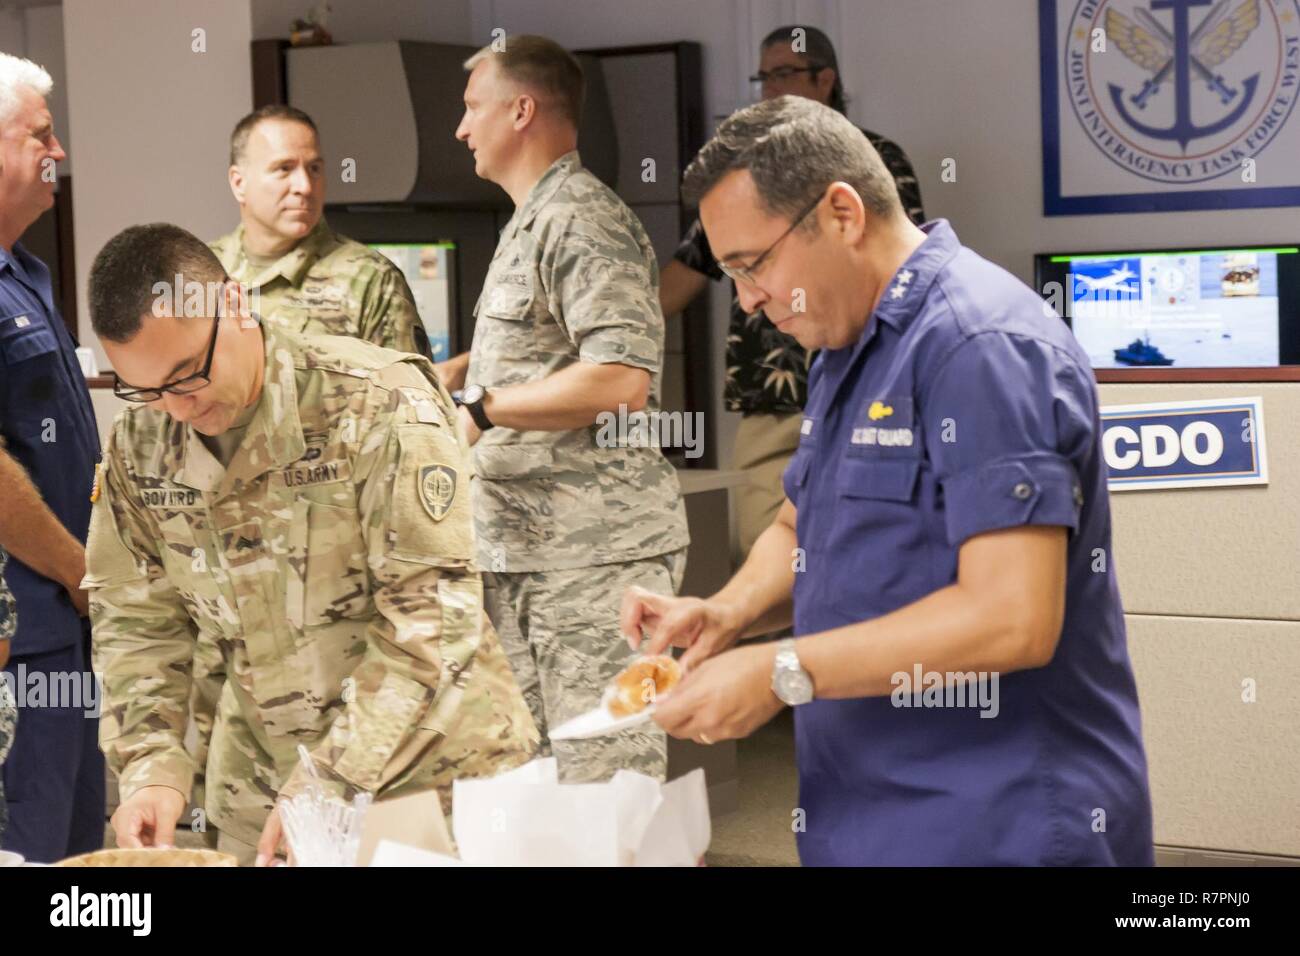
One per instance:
[(437, 490)]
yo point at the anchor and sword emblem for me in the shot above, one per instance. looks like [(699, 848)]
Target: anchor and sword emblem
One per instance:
[(1183, 52)]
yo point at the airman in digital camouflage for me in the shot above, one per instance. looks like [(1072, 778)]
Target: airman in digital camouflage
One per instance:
[(298, 507), (568, 329)]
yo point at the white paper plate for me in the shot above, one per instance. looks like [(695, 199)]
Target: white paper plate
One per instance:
[(598, 723)]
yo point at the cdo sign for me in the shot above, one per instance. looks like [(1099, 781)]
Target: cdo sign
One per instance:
[(1184, 444)]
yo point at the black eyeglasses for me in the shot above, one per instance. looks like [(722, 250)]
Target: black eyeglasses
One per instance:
[(182, 386), (784, 73), (748, 273)]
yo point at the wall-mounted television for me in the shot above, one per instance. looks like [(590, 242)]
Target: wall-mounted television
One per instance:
[(1179, 309)]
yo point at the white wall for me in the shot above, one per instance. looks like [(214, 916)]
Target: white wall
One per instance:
[(960, 80), (365, 21), (153, 117)]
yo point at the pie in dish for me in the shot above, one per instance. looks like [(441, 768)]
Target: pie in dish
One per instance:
[(151, 856)]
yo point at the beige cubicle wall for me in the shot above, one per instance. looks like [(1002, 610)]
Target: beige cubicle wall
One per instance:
[(1209, 582)]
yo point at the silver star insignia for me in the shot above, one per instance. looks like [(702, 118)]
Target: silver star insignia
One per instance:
[(905, 276), (897, 292)]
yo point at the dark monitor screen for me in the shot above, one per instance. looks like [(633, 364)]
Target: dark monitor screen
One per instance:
[(1187, 308), (430, 269)]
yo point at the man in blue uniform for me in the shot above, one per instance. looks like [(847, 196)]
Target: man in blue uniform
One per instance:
[(960, 673), (49, 446)]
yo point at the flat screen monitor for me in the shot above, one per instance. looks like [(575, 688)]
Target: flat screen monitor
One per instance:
[(1186, 308), (429, 268)]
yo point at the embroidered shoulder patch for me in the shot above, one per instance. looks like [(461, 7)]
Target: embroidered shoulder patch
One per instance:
[(437, 489)]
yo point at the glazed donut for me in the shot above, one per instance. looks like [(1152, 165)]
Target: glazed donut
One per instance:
[(641, 683)]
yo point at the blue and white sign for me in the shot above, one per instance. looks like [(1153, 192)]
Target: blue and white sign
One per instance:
[(1185, 444), (1161, 105)]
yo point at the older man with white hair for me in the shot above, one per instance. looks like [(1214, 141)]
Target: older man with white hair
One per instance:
[(49, 447)]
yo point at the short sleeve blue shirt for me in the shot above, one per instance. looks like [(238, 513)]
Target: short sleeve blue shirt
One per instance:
[(48, 426), (964, 408)]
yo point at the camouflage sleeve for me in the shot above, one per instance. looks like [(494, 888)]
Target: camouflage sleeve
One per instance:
[(413, 491), (389, 316), (605, 294), (208, 679), (143, 641)]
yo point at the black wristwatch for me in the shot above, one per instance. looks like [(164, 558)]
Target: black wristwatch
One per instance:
[(472, 399)]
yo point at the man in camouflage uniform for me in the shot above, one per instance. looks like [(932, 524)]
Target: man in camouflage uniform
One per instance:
[(8, 707), (297, 506), (303, 277), (568, 329)]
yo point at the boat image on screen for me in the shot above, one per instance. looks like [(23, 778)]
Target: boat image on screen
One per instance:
[(1139, 352)]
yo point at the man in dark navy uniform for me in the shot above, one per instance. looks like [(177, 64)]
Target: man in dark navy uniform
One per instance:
[(54, 775), (959, 674)]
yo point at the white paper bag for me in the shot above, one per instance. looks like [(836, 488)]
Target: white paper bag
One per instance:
[(526, 818)]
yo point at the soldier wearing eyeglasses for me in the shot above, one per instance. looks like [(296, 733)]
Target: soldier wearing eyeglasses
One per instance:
[(298, 507), (766, 369)]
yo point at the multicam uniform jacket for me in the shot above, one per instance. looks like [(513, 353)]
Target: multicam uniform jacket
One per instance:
[(330, 285), (330, 565)]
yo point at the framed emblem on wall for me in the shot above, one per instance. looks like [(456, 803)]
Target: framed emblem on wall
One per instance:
[(1168, 105)]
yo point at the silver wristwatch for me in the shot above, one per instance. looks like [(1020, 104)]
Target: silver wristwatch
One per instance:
[(790, 682)]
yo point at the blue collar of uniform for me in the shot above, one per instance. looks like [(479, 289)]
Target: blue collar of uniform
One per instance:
[(905, 293), (16, 260)]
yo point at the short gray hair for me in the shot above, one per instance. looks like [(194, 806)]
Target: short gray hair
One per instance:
[(794, 148), (15, 75), (540, 65)]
